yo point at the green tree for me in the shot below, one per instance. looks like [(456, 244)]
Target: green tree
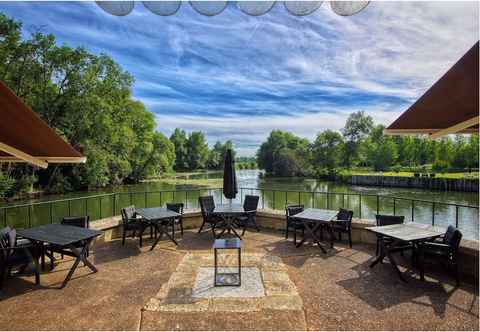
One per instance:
[(279, 148), (87, 99), (327, 150), (197, 150), (357, 127), (179, 140)]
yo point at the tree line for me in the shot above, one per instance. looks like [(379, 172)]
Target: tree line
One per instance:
[(361, 143), (87, 99)]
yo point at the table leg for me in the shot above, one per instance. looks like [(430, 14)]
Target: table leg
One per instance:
[(312, 231), (80, 257), (421, 258), (394, 263), (381, 254), (161, 230)]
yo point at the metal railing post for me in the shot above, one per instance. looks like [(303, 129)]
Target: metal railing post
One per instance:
[(433, 214), (51, 213), (29, 216), (360, 206), (263, 199), (100, 203), (378, 204), (394, 206), (413, 210), (456, 216), (273, 199)]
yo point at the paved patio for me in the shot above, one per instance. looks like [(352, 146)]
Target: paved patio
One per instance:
[(304, 290)]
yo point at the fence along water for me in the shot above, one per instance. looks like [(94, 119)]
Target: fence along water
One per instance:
[(364, 206)]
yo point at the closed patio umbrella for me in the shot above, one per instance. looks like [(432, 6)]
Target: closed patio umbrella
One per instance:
[(230, 189)]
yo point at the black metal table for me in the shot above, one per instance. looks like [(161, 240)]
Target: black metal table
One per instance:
[(63, 237), (228, 213), (312, 220), (401, 233), (157, 217), (227, 278)]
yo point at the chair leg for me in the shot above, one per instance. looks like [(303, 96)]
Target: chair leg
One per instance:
[(350, 238), (173, 230), (123, 236), (378, 247), (339, 236), (181, 227), (201, 227), (213, 231), (140, 235), (286, 231), (295, 235), (151, 232)]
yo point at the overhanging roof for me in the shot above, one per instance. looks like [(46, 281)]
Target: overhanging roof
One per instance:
[(25, 137), (449, 106)]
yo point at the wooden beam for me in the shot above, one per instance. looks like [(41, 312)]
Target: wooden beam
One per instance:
[(456, 128), (50, 160), (397, 132), (23, 156)]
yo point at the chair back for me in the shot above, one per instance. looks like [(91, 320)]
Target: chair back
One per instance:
[(8, 237), (344, 218), (292, 210), (128, 214), (176, 207), (250, 203), (207, 204), (83, 221), (385, 220), (452, 238)]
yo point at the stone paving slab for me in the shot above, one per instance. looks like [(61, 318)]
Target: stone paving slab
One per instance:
[(265, 286)]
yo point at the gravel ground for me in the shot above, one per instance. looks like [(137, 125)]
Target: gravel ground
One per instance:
[(339, 292)]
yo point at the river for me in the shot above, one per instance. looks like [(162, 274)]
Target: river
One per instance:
[(274, 196)]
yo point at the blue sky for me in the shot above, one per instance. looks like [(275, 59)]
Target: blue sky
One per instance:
[(237, 77)]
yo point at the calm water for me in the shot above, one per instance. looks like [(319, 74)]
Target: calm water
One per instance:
[(274, 196)]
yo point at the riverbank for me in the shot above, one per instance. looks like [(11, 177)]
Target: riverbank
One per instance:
[(441, 184)]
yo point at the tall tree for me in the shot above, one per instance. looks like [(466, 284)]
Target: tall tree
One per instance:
[(179, 140), (197, 150), (357, 127), (327, 149)]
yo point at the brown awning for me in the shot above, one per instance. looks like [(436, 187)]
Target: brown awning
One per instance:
[(25, 137), (449, 106)]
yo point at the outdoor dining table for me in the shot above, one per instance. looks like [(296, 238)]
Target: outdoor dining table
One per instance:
[(228, 213), (157, 217), (312, 220), (411, 233), (64, 237)]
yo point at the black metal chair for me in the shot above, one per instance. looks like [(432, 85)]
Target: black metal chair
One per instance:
[(343, 224), (250, 205), (385, 220), (446, 249), (131, 222), (13, 254), (207, 205), (290, 211), (176, 207)]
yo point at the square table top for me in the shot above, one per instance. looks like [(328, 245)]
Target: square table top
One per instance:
[(232, 243), (158, 213), (58, 234), (406, 232), (229, 208), (320, 215)]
